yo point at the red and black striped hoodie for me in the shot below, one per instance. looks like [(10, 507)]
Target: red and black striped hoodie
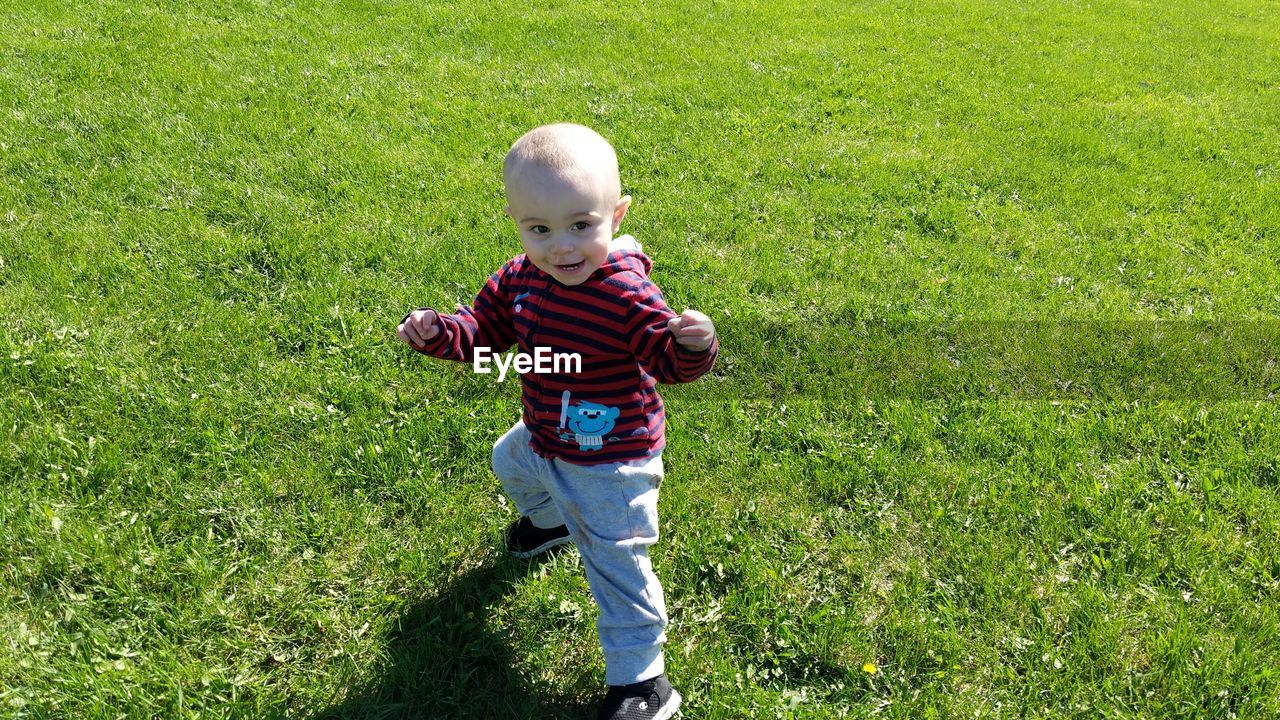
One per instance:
[(616, 320)]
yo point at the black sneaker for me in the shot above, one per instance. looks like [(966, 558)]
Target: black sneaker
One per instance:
[(524, 539), (652, 699)]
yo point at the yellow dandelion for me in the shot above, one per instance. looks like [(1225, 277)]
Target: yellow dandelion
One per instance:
[(870, 668)]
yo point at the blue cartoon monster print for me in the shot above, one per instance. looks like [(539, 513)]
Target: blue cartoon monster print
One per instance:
[(588, 423)]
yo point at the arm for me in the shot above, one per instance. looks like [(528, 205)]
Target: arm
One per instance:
[(672, 348), (487, 323)]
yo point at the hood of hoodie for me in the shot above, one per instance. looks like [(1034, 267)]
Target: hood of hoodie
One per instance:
[(625, 255)]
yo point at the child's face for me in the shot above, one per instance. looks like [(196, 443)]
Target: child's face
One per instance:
[(565, 222)]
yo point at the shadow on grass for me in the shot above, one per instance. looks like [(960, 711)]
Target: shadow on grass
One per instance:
[(444, 662)]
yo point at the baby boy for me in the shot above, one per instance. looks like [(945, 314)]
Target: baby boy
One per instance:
[(584, 462)]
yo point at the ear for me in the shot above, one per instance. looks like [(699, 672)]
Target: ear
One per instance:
[(507, 210), (620, 211)]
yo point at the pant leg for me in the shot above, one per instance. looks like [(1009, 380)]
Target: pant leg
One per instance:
[(521, 472), (612, 515)]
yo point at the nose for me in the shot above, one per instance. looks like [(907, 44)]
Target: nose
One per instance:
[(562, 243)]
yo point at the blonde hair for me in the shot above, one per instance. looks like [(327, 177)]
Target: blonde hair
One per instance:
[(566, 149)]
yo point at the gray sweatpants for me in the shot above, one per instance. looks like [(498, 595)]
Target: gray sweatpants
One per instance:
[(611, 511)]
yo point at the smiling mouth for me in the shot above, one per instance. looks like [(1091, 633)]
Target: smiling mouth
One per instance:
[(572, 267)]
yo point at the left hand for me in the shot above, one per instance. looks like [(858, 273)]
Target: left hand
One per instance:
[(693, 330)]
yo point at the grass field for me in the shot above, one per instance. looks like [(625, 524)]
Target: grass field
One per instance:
[(950, 249)]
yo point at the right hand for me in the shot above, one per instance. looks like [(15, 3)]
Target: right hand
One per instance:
[(421, 327)]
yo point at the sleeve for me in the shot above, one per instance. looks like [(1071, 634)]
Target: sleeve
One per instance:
[(655, 347), (487, 323)]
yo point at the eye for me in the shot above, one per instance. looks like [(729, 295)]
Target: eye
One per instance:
[(580, 226), (539, 229)]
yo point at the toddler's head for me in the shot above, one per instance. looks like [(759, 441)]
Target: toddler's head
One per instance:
[(565, 197)]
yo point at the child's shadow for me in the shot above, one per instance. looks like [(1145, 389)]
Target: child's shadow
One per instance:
[(444, 662)]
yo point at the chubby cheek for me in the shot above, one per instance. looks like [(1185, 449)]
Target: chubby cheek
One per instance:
[(596, 255), (536, 253), (544, 265), (599, 248)]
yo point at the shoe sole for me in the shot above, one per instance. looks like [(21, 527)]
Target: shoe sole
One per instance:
[(541, 548), (669, 710)]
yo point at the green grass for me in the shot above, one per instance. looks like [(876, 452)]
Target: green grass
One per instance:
[(226, 490)]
